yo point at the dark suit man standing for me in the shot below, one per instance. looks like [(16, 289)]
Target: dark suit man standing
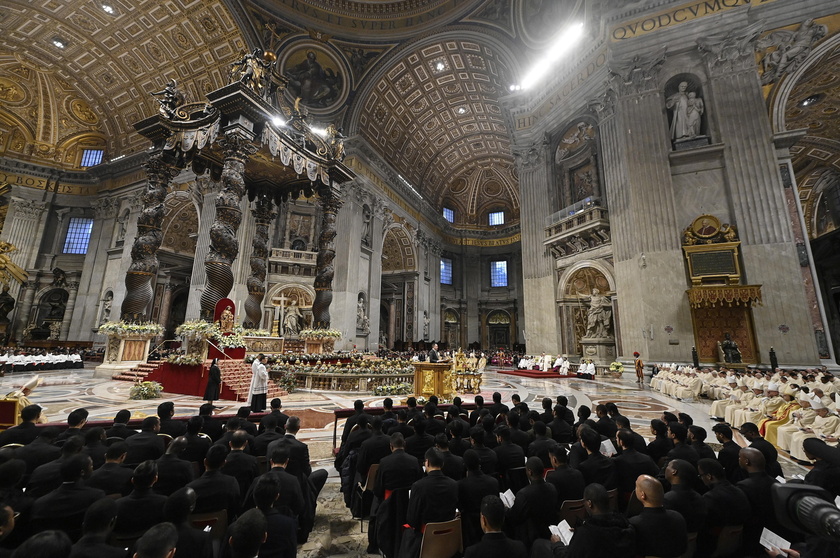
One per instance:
[(120, 427), (535, 506), (510, 456), (431, 501), (728, 506), (276, 412), (66, 505), (659, 531), (682, 498), (147, 444), (173, 472), (729, 453), (26, 431), (471, 491), (141, 508), (434, 356), (494, 543), (238, 464), (396, 471), (568, 482), (630, 463), (597, 467), (215, 490)]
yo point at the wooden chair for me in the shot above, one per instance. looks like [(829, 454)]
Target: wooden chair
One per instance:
[(573, 511), (216, 520), (442, 540), (262, 463), (167, 439), (692, 546), (729, 541), (634, 507), (613, 496), (366, 490)]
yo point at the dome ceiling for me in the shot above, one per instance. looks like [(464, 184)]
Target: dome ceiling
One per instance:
[(99, 81)]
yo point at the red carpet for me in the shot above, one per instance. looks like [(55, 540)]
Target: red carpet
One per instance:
[(534, 374)]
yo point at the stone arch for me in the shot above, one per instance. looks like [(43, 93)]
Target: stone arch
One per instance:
[(303, 295), (398, 253), (573, 291), (601, 266), (180, 224)]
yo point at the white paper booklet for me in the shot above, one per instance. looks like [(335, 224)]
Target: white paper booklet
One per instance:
[(562, 530), (507, 497), (769, 538)]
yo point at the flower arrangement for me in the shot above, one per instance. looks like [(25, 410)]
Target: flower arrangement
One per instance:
[(145, 390), (185, 360), (320, 334), (196, 328), (131, 329), (403, 388), (254, 332), (286, 380), (211, 331), (616, 367)]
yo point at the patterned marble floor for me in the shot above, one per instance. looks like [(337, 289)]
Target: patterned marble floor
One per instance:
[(336, 534)]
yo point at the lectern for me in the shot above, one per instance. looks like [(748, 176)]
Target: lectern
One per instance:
[(434, 379)]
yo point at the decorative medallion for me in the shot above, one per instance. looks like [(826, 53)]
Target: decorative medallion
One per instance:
[(11, 92), (208, 24), (155, 52), (82, 112), (575, 138), (315, 76), (705, 226), (181, 40), (84, 22)]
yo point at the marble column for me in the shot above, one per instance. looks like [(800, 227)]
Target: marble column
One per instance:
[(27, 297), (392, 322), (263, 214), (73, 291), (204, 192), (756, 195), (330, 203), (23, 229), (538, 281), (144, 262), (166, 303), (224, 246), (645, 233)]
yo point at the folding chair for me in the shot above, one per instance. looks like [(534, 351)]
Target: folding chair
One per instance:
[(367, 489), (573, 511), (216, 520)]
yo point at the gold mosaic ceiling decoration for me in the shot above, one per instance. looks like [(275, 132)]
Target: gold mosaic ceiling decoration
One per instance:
[(434, 115), (112, 61)]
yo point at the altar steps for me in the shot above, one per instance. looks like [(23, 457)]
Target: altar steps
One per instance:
[(237, 376), (138, 373)]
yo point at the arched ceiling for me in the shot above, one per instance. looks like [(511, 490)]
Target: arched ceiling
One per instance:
[(814, 105), (100, 81), (434, 115)]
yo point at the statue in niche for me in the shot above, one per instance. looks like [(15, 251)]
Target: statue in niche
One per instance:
[(59, 278), (686, 112), (55, 331), (366, 227), (122, 225), (425, 324), (598, 316), (695, 112), (106, 308), (730, 350), (361, 316), (291, 321)]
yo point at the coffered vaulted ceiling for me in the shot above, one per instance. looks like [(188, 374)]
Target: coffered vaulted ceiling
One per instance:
[(418, 80)]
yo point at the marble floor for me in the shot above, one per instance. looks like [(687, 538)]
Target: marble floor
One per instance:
[(336, 534)]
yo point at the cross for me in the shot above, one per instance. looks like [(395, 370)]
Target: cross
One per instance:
[(280, 301)]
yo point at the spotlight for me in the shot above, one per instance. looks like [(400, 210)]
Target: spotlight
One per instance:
[(108, 9), (277, 121), (563, 44), (462, 110), (813, 99), (59, 42), (440, 66)]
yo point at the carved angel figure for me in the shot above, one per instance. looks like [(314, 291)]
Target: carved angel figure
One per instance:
[(791, 49), (170, 98)]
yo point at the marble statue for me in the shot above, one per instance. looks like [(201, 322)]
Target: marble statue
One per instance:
[(425, 325), (686, 112), (366, 227), (7, 303), (291, 321), (731, 352), (361, 316), (106, 308), (170, 98), (598, 316), (791, 48)]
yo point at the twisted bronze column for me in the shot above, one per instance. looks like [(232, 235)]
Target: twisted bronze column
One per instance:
[(144, 262), (223, 244), (324, 270), (264, 214)]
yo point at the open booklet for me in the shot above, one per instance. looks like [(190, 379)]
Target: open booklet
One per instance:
[(562, 530), (770, 539), (608, 449), (507, 498)]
